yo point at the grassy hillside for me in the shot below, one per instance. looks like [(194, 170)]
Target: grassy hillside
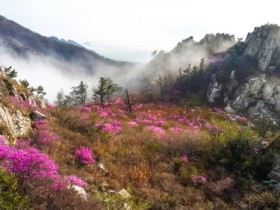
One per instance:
[(159, 156)]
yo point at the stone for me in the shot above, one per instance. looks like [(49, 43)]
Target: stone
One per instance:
[(41, 104), (267, 92), (36, 115), (16, 124), (214, 90), (80, 191), (255, 85), (242, 99), (32, 101), (124, 193), (232, 75), (228, 109)]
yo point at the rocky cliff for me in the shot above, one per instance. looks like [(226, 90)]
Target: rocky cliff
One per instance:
[(16, 108), (263, 44), (258, 94)]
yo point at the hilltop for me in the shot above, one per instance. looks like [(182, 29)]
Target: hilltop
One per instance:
[(23, 42)]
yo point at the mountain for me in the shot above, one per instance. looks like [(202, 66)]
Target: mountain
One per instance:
[(191, 52), (263, 44), (23, 42), (69, 41), (250, 70)]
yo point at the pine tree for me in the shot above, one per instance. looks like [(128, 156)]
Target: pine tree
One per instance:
[(60, 99), (80, 93), (100, 92)]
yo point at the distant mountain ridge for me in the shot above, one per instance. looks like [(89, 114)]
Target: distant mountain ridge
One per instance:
[(69, 41), (22, 41)]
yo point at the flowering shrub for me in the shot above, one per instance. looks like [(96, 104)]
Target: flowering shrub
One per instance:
[(27, 164), (241, 119), (219, 110), (160, 123), (85, 109), (157, 130), (185, 158), (25, 104), (192, 125), (132, 123), (176, 129), (212, 129), (43, 135), (84, 155), (111, 128), (198, 180), (73, 180)]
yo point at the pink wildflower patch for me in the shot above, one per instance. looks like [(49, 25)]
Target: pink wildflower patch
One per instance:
[(185, 158), (84, 156), (176, 129), (199, 180), (43, 135), (132, 123), (111, 128), (192, 125), (85, 109), (241, 119), (18, 102), (73, 180), (157, 130), (212, 129), (160, 123), (103, 114), (218, 110)]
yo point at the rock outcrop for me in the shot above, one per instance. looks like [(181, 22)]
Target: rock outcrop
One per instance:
[(263, 44), (260, 95), (15, 123)]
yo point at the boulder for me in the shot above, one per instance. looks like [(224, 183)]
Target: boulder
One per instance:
[(267, 92), (214, 90), (36, 115), (228, 109), (80, 191)]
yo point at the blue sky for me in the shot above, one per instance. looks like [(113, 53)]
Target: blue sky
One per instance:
[(130, 29)]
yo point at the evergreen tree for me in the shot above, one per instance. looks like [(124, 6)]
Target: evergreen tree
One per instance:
[(60, 99), (101, 91), (10, 72), (80, 93), (25, 83)]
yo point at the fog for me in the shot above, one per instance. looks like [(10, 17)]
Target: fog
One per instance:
[(55, 74), (188, 52)]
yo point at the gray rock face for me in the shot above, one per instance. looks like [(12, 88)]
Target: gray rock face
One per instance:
[(263, 44), (16, 124), (260, 95), (214, 90)]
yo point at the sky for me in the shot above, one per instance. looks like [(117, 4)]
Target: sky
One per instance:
[(131, 29)]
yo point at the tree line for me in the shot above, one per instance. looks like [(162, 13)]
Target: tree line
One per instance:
[(79, 95)]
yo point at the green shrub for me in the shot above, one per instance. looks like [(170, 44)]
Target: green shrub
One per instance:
[(238, 155), (11, 196)]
